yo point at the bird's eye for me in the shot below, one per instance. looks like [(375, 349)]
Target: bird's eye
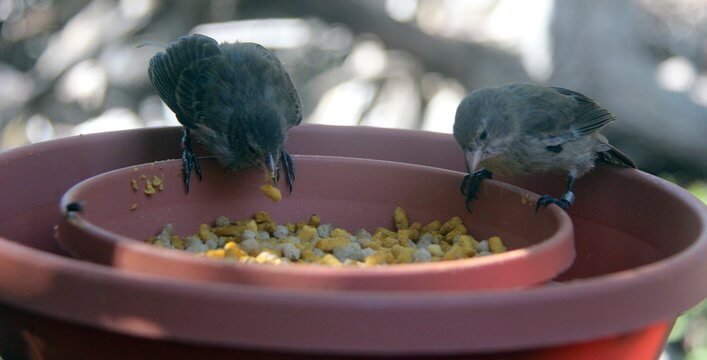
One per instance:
[(483, 135)]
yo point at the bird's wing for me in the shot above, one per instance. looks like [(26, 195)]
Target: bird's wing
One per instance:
[(589, 116), (204, 92), (281, 81), (166, 67)]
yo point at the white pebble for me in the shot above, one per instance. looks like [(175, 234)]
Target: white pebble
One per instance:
[(425, 240), (281, 232), (191, 239), (362, 233), (211, 243), (221, 241), (482, 246), (318, 252), (324, 230), (251, 246), (222, 221), (367, 252), (266, 257), (249, 234), (290, 251), (164, 237), (484, 253), (364, 242), (351, 251), (197, 247), (263, 235), (421, 255)]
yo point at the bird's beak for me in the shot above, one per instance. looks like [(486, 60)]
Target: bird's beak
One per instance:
[(473, 158), (271, 168)]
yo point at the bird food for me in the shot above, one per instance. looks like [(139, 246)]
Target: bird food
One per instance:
[(272, 192), (261, 240)]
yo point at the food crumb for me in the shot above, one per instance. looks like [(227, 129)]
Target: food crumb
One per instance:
[(133, 184), (149, 189), (272, 192), (133, 206)]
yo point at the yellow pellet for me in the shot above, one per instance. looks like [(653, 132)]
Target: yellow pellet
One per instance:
[(309, 256), (157, 181), (415, 229), (233, 250), (307, 233), (450, 225), (205, 232), (269, 226), (467, 241), (377, 258), (272, 192), (230, 230), (496, 245), (339, 232), (217, 253), (133, 184), (252, 225), (177, 242), (403, 255), (386, 232), (435, 250), (291, 227), (403, 237), (329, 244), (314, 220), (330, 260), (390, 241), (432, 227), (401, 218), (454, 253), (261, 217), (149, 189)]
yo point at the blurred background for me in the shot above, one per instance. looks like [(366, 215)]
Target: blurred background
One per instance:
[(80, 66)]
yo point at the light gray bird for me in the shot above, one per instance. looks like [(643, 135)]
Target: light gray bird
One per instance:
[(236, 99), (517, 129)]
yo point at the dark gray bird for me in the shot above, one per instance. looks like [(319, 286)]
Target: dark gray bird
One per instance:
[(236, 99), (517, 129)]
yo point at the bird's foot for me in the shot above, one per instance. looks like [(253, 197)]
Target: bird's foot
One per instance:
[(565, 202), (189, 161), (471, 183), (289, 166)]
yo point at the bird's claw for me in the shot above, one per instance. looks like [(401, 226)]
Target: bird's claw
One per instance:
[(546, 200), (289, 166), (471, 183), (189, 161)]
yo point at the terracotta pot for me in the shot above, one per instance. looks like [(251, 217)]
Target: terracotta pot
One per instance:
[(640, 247), (350, 193)]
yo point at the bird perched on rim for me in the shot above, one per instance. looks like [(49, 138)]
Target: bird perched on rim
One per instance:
[(517, 129), (236, 99)]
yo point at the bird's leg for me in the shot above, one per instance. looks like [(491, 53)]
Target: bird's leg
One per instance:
[(189, 160), (565, 202), (289, 166), (470, 185)]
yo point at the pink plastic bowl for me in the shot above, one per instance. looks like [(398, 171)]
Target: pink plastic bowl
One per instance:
[(350, 193)]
